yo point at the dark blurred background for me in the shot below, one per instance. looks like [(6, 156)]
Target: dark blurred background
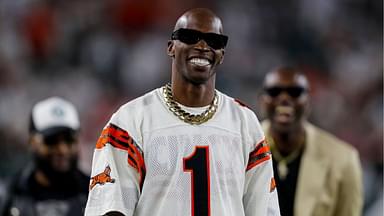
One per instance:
[(101, 54)]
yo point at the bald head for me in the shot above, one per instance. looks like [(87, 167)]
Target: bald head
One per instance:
[(286, 76), (201, 19)]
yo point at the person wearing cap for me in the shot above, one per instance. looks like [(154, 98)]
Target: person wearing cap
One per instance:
[(51, 184)]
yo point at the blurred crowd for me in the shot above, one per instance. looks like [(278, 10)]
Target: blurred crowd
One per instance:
[(101, 54)]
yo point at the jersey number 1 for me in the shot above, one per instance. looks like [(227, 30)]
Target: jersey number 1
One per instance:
[(198, 165)]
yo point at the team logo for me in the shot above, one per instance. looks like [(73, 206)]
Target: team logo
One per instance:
[(58, 112), (102, 178)]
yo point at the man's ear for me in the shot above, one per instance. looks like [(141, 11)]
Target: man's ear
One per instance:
[(222, 56), (170, 49)]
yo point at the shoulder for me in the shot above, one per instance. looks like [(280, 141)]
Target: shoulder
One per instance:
[(140, 102), (329, 140), (331, 146), (242, 115), (236, 105), (240, 112), (133, 110), (3, 193), (130, 116), (14, 186)]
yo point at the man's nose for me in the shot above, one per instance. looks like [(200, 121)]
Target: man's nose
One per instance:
[(284, 98), (202, 45), (63, 147)]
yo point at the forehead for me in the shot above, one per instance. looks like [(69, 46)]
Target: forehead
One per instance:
[(285, 79), (200, 22)]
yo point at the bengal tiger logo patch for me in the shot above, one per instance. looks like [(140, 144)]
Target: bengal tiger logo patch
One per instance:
[(102, 178)]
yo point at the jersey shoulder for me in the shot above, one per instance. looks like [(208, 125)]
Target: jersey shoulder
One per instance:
[(244, 117), (139, 102), (129, 117), (237, 106)]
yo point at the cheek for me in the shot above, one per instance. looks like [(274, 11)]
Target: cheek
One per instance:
[(266, 103), (303, 104), (42, 150), (74, 149), (218, 57), (269, 109), (303, 100), (300, 110), (180, 49), (267, 100), (180, 58)]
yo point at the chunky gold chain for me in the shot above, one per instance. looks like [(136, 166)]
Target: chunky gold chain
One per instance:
[(184, 115)]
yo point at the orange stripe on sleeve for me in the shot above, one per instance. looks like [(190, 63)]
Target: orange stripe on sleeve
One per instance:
[(119, 138), (260, 154)]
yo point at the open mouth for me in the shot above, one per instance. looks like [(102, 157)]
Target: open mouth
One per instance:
[(201, 62), (284, 114)]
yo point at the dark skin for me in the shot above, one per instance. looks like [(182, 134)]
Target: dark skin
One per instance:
[(194, 85), (58, 155), (287, 114)]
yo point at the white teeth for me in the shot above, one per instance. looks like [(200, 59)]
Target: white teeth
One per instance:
[(284, 110), (200, 61)]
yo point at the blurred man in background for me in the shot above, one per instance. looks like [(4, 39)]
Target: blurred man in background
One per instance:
[(316, 173), (51, 185)]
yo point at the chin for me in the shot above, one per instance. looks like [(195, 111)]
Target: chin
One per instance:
[(282, 128), (197, 80)]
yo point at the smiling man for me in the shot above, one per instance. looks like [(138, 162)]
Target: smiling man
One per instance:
[(316, 173), (185, 149)]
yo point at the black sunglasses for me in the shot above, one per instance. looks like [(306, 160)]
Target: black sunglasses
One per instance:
[(190, 36), (294, 92), (68, 137)]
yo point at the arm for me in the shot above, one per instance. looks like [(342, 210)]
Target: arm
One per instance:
[(117, 174), (350, 199), (260, 194)]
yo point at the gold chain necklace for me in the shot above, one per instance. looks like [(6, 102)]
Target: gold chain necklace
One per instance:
[(282, 162), (184, 115)]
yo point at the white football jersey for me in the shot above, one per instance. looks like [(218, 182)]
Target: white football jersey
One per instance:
[(148, 162)]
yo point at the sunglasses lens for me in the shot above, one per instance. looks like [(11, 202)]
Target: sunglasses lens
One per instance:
[(216, 41), (273, 92), (54, 139), (294, 92), (189, 36)]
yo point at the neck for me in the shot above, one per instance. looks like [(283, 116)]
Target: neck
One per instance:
[(193, 95), (286, 143)]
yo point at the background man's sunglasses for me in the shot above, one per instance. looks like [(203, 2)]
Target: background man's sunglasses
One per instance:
[(189, 36), (294, 92), (54, 139)]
